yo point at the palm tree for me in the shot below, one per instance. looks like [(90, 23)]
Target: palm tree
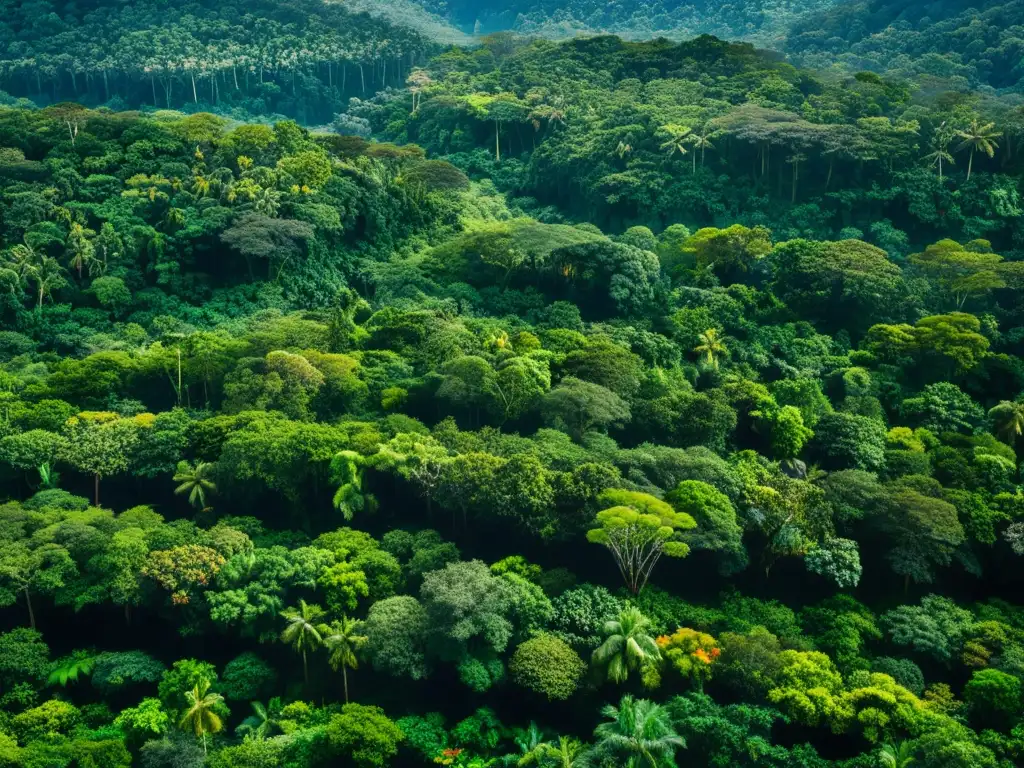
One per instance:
[(702, 141), (570, 753), (37, 267), (978, 137), (195, 480), (262, 721), (268, 202), (640, 733), (343, 645), (1008, 420), (940, 143), (303, 632), (628, 645), (711, 346), (896, 755), (531, 747), (625, 146), (938, 157), (80, 247), (201, 717), (678, 138)]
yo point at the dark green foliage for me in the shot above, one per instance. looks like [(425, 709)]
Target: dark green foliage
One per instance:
[(116, 670), (247, 677), (679, 297)]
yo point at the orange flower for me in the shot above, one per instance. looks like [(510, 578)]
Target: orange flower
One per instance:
[(701, 654), (663, 641)]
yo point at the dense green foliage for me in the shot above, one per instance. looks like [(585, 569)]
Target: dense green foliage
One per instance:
[(592, 403)]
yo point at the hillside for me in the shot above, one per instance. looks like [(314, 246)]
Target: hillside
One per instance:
[(955, 43), (301, 58), (517, 402)]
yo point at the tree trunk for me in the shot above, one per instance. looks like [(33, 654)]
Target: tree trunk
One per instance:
[(195, 96), (305, 668), (970, 164), (96, 489), (497, 142), (344, 676), (31, 613)]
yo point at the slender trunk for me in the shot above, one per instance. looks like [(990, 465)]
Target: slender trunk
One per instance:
[(106, 89), (152, 86), (96, 489), (497, 142), (970, 164), (362, 78), (344, 676), (234, 74), (195, 96), (828, 179), (31, 613), (305, 668), (204, 742), (796, 175), (940, 169)]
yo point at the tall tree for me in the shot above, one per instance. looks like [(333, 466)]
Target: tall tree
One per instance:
[(978, 137), (201, 715), (343, 645), (305, 631), (638, 530)]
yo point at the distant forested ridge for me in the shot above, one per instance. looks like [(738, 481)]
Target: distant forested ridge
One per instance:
[(302, 58), (761, 20), (957, 42)]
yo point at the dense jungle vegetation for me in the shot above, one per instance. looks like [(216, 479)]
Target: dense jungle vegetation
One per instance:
[(370, 401)]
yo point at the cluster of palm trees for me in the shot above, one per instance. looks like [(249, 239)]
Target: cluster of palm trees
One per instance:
[(976, 137), (636, 734), (679, 137), (307, 632)]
